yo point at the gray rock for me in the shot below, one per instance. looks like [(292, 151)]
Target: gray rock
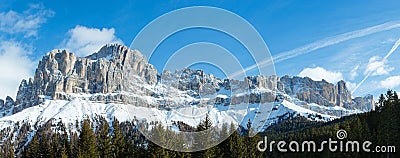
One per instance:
[(111, 69), (1, 104), (323, 93), (366, 103), (9, 103)]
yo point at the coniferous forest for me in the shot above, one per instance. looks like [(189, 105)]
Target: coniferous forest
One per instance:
[(122, 139)]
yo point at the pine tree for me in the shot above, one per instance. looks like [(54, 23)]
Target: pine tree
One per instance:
[(118, 142), (224, 145), (206, 137), (205, 124), (45, 147), (389, 95), (251, 142), (87, 142), (395, 97), (33, 149), (65, 145), (73, 147), (105, 141), (236, 146), (160, 134), (380, 101), (55, 146)]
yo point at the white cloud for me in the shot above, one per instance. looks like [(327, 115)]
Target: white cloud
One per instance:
[(84, 41), (27, 22), (319, 73), (377, 67), (353, 72), (390, 82), (14, 66)]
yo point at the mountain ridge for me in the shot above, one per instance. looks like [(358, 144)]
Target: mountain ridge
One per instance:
[(114, 66)]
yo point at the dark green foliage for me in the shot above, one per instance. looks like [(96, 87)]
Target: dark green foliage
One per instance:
[(118, 143), (87, 142), (104, 141), (33, 149)]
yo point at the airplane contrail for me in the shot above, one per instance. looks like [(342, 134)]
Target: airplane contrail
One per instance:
[(322, 44), (394, 47)]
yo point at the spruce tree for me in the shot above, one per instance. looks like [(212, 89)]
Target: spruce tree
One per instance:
[(55, 146), (45, 147), (236, 146), (380, 101), (208, 137), (105, 149), (224, 145), (87, 142), (251, 142), (33, 149), (118, 142)]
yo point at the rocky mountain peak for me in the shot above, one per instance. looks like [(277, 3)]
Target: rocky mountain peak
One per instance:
[(115, 51), (109, 70)]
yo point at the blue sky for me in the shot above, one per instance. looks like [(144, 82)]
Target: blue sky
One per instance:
[(322, 39)]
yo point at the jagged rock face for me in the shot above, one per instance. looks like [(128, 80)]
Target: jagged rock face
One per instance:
[(25, 95), (9, 103), (6, 106), (195, 80), (319, 92), (107, 71), (123, 75), (268, 82), (363, 103)]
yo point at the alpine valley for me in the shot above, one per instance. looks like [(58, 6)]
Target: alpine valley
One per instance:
[(118, 83)]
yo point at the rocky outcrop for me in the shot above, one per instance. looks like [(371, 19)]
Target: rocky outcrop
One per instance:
[(6, 106), (323, 93), (268, 82), (362, 103), (194, 80), (112, 69), (9, 103), (319, 92)]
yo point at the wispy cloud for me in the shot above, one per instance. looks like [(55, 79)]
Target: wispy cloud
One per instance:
[(323, 43), (84, 41), (377, 67), (335, 40), (27, 22), (395, 46)]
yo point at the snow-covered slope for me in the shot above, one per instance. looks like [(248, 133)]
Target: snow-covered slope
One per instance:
[(68, 112)]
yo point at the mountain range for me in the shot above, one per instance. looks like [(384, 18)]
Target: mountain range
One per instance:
[(119, 82)]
